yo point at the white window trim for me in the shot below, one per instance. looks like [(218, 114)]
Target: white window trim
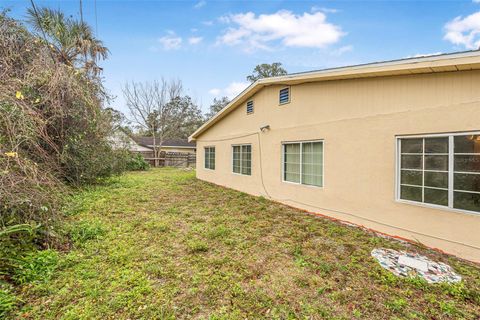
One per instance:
[(204, 164), (289, 95), (251, 159), (450, 135), (283, 163)]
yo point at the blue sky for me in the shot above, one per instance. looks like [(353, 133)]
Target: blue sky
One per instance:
[(213, 45)]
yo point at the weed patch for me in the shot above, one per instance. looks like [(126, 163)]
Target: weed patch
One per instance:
[(37, 266)]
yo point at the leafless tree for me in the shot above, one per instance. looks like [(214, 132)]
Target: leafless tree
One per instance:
[(153, 109)]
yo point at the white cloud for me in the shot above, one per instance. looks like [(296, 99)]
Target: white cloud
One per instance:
[(231, 91), (464, 31), (342, 50), (258, 32), (195, 40), (326, 10), (215, 92), (476, 1), (208, 23), (200, 4), (170, 41)]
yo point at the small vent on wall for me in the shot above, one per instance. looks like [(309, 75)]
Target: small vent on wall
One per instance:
[(250, 107), (284, 96)]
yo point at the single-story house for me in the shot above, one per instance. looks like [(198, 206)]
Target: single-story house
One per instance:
[(393, 146), (122, 140)]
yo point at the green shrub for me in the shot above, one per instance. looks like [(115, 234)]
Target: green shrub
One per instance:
[(136, 162), (37, 266)]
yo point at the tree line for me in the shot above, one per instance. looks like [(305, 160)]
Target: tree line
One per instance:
[(160, 109)]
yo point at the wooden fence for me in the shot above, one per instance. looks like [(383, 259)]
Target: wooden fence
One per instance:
[(174, 159)]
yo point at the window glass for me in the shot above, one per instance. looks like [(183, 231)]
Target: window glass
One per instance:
[(436, 196), (411, 193), (312, 158), (467, 163), (292, 162), (412, 162), (303, 163), (466, 201), (467, 144), (467, 182), (436, 145), (236, 159), (210, 158), (436, 179), (242, 159), (426, 165), (411, 177), (246, 160), (439, 163), (412, 145)]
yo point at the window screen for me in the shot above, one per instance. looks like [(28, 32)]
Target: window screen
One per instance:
[(242, 159), (210, 158), (303, 163)]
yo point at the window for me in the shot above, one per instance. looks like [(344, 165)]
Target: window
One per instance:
[(242, 159), (284, 96), (210, 158), (303, 163), (442, 170), (250, 107)]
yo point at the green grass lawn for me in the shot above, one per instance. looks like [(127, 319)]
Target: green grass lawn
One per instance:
[(163, 245)]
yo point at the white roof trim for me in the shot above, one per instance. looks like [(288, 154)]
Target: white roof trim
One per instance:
[(426, 64)]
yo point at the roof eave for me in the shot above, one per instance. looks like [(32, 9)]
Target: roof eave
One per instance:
[(429, 64)]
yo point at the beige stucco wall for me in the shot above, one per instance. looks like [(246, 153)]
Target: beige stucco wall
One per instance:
[(358, 120)]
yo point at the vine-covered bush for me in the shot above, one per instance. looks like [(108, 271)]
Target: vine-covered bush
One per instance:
[(54, 133), (136, 162)]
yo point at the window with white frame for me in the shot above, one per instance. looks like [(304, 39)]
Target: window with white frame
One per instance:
[(242, 159), (442, 170), (210, 158), (303, 162)]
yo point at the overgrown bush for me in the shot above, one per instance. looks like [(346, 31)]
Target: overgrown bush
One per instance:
[(54, 134), (136, 162)]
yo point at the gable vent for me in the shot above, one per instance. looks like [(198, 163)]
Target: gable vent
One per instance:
[(284, 95), (250, 107)]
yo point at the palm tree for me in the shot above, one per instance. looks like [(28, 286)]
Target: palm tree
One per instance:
[(71, 41)]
